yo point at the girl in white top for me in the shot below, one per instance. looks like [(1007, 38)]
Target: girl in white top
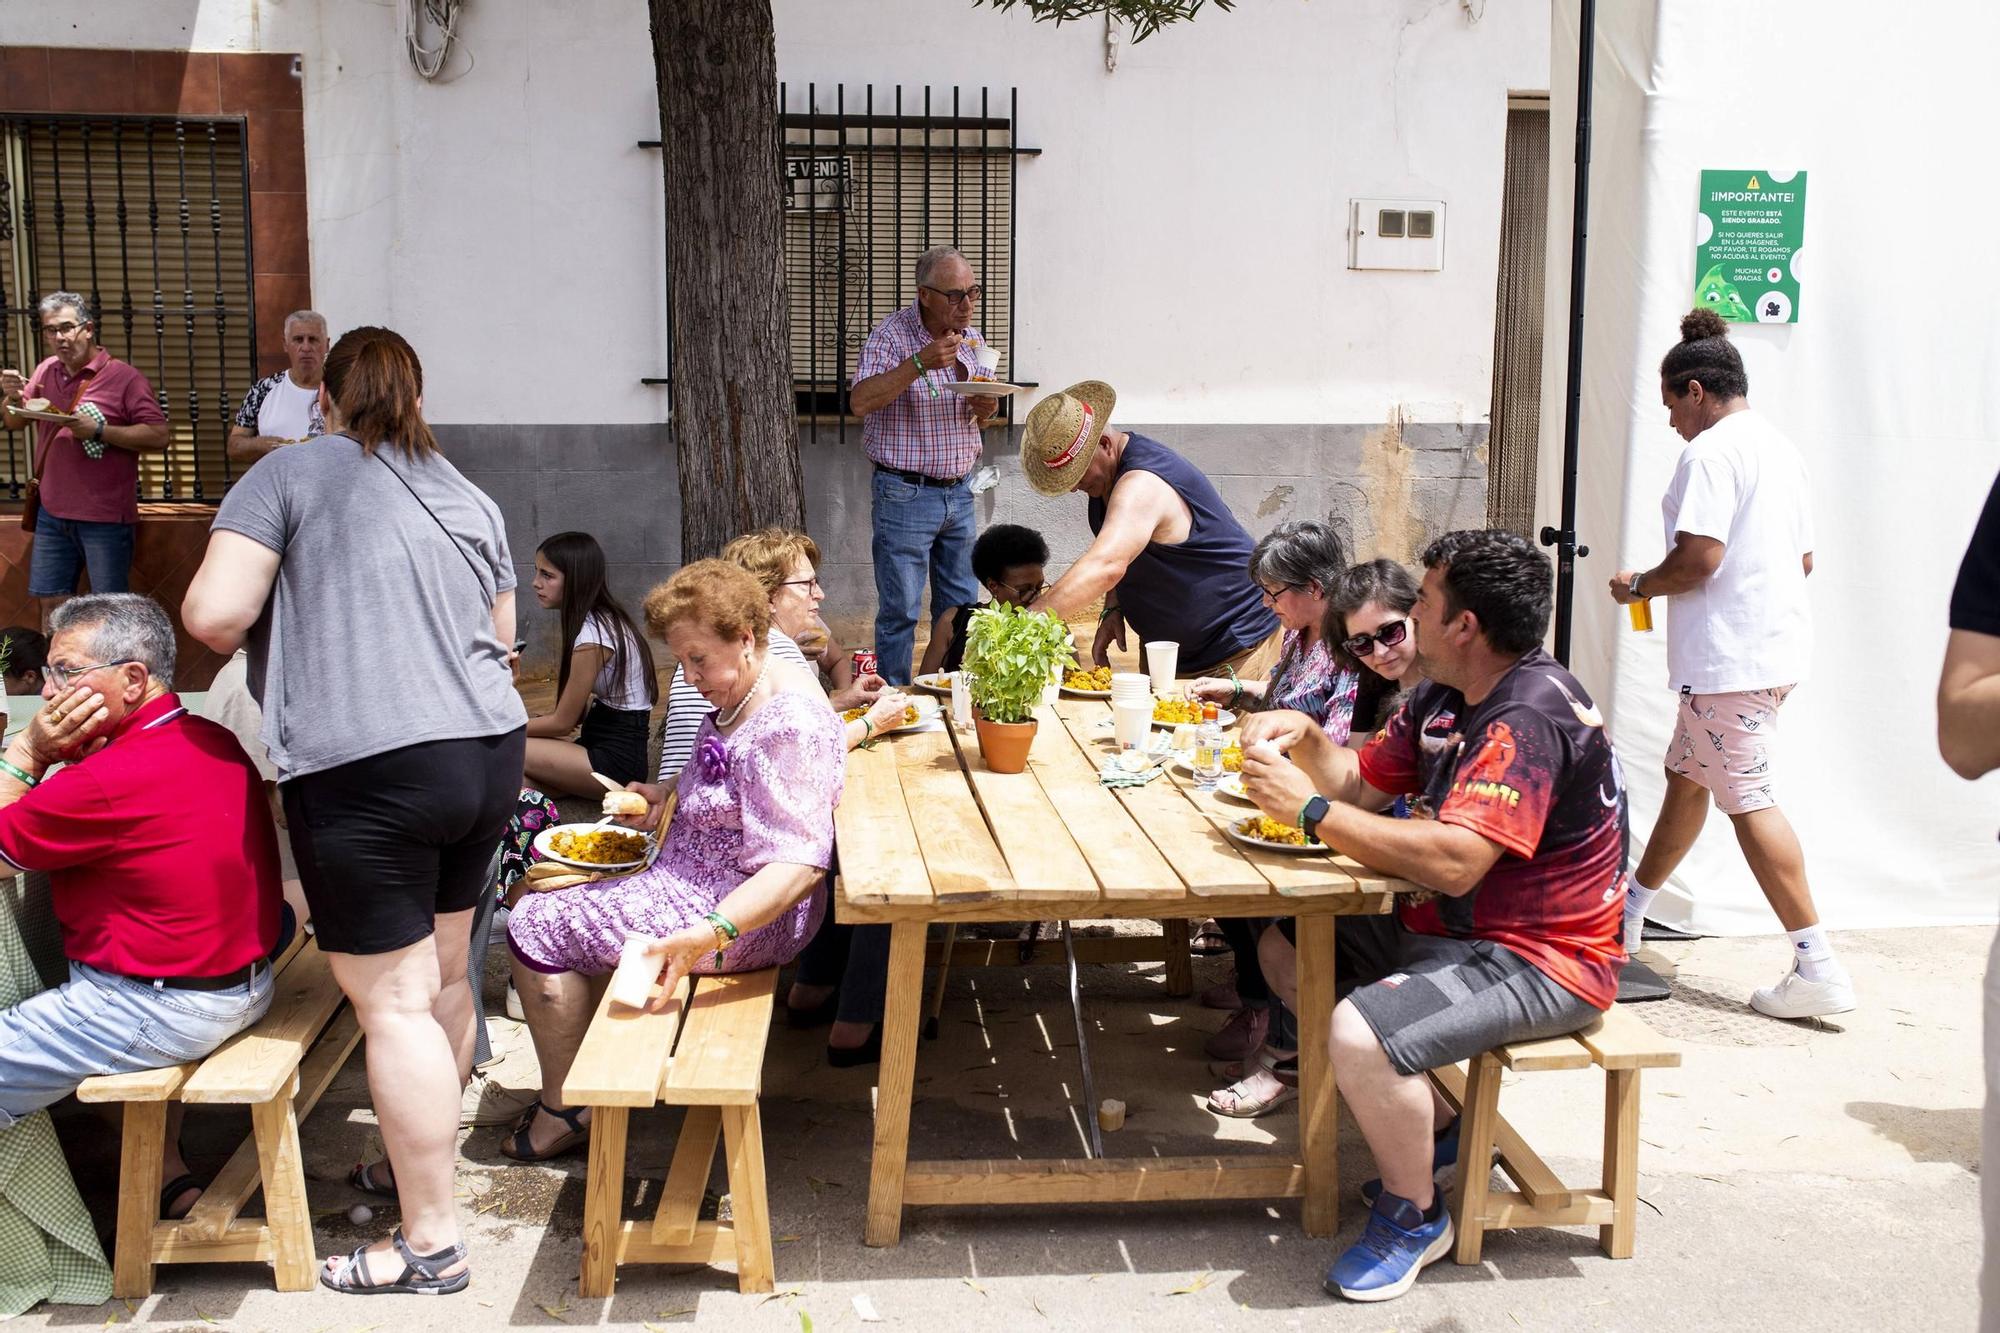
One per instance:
[(607, 683)]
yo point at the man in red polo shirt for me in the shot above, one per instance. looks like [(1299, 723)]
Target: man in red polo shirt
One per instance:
[(88, 465), (162, 865)]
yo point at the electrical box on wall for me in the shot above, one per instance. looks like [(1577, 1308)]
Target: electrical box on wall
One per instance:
[(1395, 233)]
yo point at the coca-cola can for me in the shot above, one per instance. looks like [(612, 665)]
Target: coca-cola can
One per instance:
[(865, 662)]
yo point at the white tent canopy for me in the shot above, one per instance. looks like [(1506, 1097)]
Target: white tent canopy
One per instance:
[(1889, 382)]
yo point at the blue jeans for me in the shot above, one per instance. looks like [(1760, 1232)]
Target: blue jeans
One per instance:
[(918, 530), (101, 1023), (65, 547)]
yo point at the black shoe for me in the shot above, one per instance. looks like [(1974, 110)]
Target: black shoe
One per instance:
[(867, 1053), (816, 1017)]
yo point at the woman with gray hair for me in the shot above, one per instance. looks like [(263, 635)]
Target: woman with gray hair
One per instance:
[(1296, 566)]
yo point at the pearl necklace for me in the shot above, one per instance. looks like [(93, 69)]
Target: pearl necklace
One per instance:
[(742, 703)]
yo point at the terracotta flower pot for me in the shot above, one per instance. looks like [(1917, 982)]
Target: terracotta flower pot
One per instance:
[(1004, 745)]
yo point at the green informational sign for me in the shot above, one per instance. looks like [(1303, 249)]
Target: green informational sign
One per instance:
[(1747, 246)]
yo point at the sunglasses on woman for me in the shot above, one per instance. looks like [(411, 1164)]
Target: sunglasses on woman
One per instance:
[(1391, 634)]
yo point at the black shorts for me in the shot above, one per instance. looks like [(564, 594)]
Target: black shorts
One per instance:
[(615, 740), (1434, 1000), (388, 844)]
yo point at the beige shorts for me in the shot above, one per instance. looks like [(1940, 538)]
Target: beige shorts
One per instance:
[(1728, 744)]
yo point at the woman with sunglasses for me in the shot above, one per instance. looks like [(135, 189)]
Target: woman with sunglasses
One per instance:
[(1295, 566), (1369, 612)]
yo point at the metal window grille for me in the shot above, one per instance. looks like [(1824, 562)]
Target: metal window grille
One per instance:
[(148, 217), (873, 178)]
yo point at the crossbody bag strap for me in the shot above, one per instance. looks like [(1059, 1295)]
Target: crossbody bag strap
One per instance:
[(455, 544)]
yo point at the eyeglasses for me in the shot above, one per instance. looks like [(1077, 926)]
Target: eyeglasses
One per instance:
[(957, 295), (62, 330), (1273, 594), (1026, 593), (812, 582), (1391, 634), (61, 676)]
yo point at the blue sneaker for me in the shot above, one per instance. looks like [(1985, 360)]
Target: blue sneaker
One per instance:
[(1396, 1246), (1444, 1152)]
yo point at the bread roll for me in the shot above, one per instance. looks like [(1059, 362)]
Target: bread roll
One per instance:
[(624, 803)]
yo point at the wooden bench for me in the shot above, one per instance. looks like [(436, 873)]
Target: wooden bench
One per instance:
[(279, 1068), (705, 1053), (1618, 1043)]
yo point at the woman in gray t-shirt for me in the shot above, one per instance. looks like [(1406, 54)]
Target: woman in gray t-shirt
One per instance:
[(372, 584)]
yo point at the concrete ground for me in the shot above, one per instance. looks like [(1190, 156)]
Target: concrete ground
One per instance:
[(1817, 1175)]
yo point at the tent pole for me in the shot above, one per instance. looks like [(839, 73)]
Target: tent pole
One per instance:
[(1563, 538)]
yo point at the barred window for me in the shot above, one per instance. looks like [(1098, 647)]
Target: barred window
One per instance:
[(873, 178), (148, 218)]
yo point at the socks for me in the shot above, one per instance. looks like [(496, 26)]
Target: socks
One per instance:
[(1814, 954), (1637, 899)]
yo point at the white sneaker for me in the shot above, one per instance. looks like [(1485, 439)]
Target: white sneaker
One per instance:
[(1795, 997), (514, 1005)]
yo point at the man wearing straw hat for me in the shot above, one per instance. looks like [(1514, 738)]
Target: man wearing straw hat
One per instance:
[(924, 443), (1169, 558)]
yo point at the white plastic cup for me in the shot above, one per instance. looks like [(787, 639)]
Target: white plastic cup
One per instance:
[(1163, 659), (1130, 685), (632, 983), (1131, 722), (961, 699), (987, 357)]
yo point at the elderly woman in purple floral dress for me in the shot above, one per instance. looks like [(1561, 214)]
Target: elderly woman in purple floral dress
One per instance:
[(732, 889)]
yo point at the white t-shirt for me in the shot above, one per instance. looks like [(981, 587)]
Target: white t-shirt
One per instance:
[(629, 693), (1749, 625), (289, 412)]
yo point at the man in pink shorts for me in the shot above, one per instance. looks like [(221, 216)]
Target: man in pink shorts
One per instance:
[(1739, 638)]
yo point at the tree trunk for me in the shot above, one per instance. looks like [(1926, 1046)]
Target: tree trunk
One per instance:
[(728, 320)]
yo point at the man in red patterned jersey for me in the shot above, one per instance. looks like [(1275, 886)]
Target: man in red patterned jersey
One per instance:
[(1518, 838)]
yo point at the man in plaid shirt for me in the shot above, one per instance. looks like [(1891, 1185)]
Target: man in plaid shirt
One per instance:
[(924, 442)]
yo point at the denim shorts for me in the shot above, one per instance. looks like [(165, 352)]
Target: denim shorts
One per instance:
[(102, 1023), (65, 547)]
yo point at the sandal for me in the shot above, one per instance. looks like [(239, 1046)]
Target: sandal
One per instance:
[(172, 1190), (363, 1178), (1209, 941), (420, 1272), (522, 1148), (1271, 1082)]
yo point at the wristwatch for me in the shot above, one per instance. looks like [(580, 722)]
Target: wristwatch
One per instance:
[(1309, 817), (1633, 587)]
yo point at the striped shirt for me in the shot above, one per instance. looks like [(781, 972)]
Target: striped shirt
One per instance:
[(918, 432), (686, 708)]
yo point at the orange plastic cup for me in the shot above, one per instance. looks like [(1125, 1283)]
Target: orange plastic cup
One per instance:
[(1642, 615)]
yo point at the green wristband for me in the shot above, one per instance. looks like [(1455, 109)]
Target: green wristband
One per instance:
[(722, 923), (20, 775), (867, 728), (917, 360)]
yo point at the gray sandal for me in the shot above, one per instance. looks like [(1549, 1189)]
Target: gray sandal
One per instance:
[(421, 1272)]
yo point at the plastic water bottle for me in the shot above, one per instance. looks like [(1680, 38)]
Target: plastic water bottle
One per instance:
[(1207, 763)]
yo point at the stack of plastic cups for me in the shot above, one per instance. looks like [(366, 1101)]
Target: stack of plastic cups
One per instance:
[(1131, 708)]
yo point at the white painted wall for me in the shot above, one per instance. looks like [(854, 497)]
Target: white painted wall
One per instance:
[(1183, 233)]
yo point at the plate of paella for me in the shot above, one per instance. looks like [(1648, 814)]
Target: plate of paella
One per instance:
[(915, 714), (1092, 684), (1186, 713), (1264, 832), (936, 683), (603, 848)]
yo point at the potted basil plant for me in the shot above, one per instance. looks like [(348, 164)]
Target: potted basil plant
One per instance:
[(1009, 654)]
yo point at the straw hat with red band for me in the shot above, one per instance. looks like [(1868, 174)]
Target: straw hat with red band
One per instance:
[(1061, 435)]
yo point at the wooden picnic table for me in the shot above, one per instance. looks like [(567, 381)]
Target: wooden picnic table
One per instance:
[(927, 833)]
